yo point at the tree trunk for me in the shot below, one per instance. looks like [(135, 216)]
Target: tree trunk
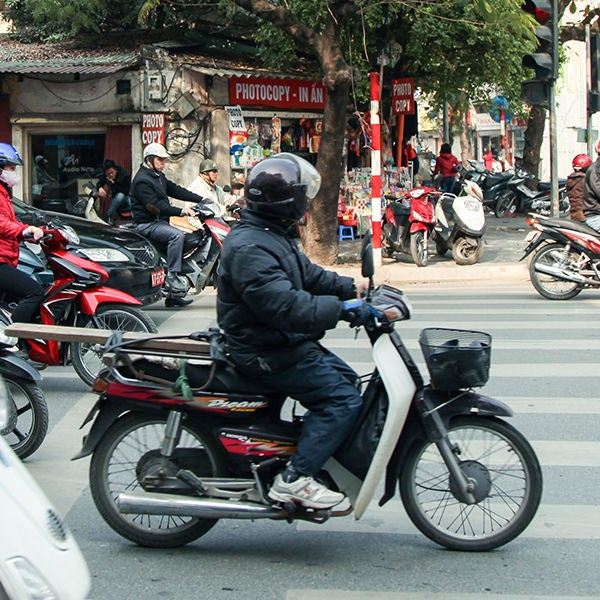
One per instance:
[(321, 243), (534, 134)]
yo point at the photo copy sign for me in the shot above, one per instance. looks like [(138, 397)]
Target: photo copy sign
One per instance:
[(403, 102), (236, 119), (153, 128)]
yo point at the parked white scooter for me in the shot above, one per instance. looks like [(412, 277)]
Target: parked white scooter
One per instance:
[(461, 224)]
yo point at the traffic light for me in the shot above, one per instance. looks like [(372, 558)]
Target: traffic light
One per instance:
[(544, 61)]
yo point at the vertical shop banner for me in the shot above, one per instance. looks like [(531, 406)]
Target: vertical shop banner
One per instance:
[(403, 93), (153, 128), (238, 134)]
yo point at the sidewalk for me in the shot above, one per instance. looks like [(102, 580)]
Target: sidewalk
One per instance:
[(504, 242)]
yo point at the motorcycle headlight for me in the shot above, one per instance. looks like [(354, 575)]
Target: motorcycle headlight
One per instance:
[(105, 255)]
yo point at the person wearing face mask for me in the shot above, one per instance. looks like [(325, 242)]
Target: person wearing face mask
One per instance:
[(18, 286)]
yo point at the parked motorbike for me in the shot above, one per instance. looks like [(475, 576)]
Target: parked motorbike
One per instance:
[(495, 187), (175, 447), (27, 419), (205, 233), (90, 206), (460, 224), (77, 296), (565, 257), (522, 199), (407, 224)]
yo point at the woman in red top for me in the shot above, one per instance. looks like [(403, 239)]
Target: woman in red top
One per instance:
[(18, 286), (446, 165)]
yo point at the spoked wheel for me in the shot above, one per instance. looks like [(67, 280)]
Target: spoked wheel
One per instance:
[(27, 417), (506, 205), (418, 248), (467, 250), (130, 451), (554, 258), (86, 356), (508, 486)]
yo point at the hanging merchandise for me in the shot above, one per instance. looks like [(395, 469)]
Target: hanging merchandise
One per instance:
[(315, 137), (276, 134)]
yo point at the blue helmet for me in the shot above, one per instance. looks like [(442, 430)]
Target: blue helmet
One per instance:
[(9, 155)]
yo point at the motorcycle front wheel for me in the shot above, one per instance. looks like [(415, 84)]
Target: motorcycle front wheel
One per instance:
[(506, 205), (554, 256), (418, 248), (27, 417), (86, 356), (467, 250), (508, 486), (129, 450)]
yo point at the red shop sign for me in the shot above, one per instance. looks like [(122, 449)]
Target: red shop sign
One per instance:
[(280, 93), (153, 128), (403, 102)]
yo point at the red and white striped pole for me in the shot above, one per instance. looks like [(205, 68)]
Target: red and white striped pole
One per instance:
[(375, 169)]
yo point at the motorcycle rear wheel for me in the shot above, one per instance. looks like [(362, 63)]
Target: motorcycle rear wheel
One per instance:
[(548, 286), (467, 250), (28, 417), (114, 469), (87, 357), (508, 488), (418, 248)]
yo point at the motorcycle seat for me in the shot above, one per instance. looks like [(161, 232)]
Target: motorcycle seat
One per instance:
[(544, 186), (496, 178), (568, 224), (226, 379)]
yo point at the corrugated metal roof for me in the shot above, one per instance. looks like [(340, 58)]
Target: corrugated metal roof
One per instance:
[(105, 64)]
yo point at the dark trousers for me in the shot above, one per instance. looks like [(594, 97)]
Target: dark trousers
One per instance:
[(23, 289), (326, 386), (165, 236)]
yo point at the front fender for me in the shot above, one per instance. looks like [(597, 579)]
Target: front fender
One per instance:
[(12, 367), (92, 298), (418, 428)]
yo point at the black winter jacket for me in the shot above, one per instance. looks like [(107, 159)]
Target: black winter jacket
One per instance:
[(273, 303), (591, 190), (151, 187)]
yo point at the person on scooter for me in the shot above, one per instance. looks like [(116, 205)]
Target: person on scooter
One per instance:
[(205, 185), (114, 184), (274, 304), (591, 193), (151, 209), (17, 285), (575, 185), (447, 166)]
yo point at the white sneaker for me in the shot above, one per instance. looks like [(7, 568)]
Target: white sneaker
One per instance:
[(306, 491)]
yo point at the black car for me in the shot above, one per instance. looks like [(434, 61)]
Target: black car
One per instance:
[(133, 263)]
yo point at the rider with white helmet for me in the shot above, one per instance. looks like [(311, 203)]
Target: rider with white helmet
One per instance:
[(151, 209)]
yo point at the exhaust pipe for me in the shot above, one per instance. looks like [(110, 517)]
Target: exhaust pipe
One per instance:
[(565, 275), (203, 508)]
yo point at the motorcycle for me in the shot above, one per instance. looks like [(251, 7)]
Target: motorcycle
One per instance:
[(565, 257), (27, 418), (522, 199), (205, 233), (460, 224), (77, 296), (495, 187), (407, 224), (181, 441)]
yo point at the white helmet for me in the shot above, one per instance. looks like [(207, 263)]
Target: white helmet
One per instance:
[(155, 150)]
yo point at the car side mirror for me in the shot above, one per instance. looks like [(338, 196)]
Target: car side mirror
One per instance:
[(37, 219)]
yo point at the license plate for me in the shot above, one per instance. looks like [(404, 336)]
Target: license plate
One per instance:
[(158, 277)]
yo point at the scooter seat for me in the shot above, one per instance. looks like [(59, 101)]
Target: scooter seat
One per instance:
[(568, 224), (544, 186)]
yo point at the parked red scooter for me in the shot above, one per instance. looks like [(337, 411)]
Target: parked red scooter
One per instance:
[(407, 224), (78, 297)]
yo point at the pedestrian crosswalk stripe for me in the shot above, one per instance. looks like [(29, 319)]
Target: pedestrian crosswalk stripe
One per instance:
[(325, 594)]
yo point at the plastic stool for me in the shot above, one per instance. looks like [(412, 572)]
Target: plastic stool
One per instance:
[(345, 232)]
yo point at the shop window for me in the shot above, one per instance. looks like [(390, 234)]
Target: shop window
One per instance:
[(62, 165)]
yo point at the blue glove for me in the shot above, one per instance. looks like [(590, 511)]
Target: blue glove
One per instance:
[(357, 312)]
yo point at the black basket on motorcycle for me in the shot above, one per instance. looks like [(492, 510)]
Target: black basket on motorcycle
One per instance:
[(456, 358)]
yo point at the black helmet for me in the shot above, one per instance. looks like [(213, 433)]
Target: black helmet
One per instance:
[(280, 186)]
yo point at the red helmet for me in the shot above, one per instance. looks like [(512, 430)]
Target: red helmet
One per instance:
[(582, 161), (598, 147)]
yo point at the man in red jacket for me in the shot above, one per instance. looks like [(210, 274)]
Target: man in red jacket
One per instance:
[(19, 286), (447, 166)]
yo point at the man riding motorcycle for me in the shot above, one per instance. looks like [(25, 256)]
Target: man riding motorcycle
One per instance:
[(273, 305)]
